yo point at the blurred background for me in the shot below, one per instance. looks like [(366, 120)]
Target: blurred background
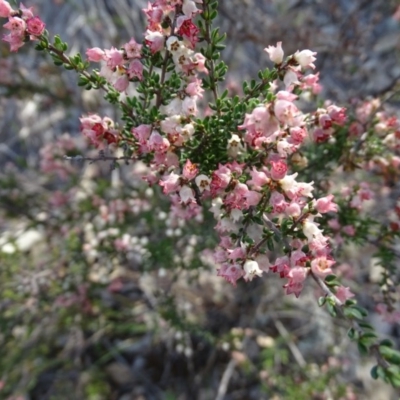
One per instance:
[(103, 294)]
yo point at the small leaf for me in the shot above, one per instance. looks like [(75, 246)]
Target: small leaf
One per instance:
[(322, 301), (369, 335), (365, 325), (386, 342), (390, 354), (362, 348), (330, 278), (352, 333), (374, 372)]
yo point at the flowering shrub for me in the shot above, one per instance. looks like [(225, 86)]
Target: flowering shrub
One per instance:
[(258, 162)]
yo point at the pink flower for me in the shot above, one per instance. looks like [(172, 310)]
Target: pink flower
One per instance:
[(114, 58), (158, 143), (170, 183), (237, 253), (321, 135), (194, 88), (281, 266), (16, 41), (278, 170), (293, 209), (321, 266), (5, 9), (26, 12), (16, 25), (325, 121), (298, 258), (311, 82), (135, 69), (133, 49), (190, 170), (154, 14), (277, 201), (89, 120), (231, 273), (325, 204), (220, 178), (275, 53), (200, 62), (95, 54), (338, 114), (305, 58), (142, 133), (297, 135), (189, 7), (155, 40), (122, 83), (252, 198), (286, 111), (297, 276), (258, 179), (188, 30), (35, 26), (343, 293), (349, 230)]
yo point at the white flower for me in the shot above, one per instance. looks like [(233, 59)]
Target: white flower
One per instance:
[(187, 195), (305, 58), (234, 146), (275, 53), (203, 182), (251, 269)]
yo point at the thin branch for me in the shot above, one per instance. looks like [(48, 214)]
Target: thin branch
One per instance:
[(292, 346), (226, 377)]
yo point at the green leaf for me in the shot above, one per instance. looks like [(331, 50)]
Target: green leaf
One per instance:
[(361, 310), (330, 278), (213, 14), (369, 335), (322, 301), (365, 325), (390, 354), (386, 342), (395, 381), (352, 313), (374, 372), (82, 80), (362, 348), (331, 308), (352, 334)]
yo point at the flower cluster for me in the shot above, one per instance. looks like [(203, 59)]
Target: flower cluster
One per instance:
[(22, 24), (253, 158), (120, 65), (255, 199), (99, 131)]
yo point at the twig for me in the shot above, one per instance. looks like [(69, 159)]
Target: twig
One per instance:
[(325, 289), (100, 158), (292, 346), (227, 375)]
